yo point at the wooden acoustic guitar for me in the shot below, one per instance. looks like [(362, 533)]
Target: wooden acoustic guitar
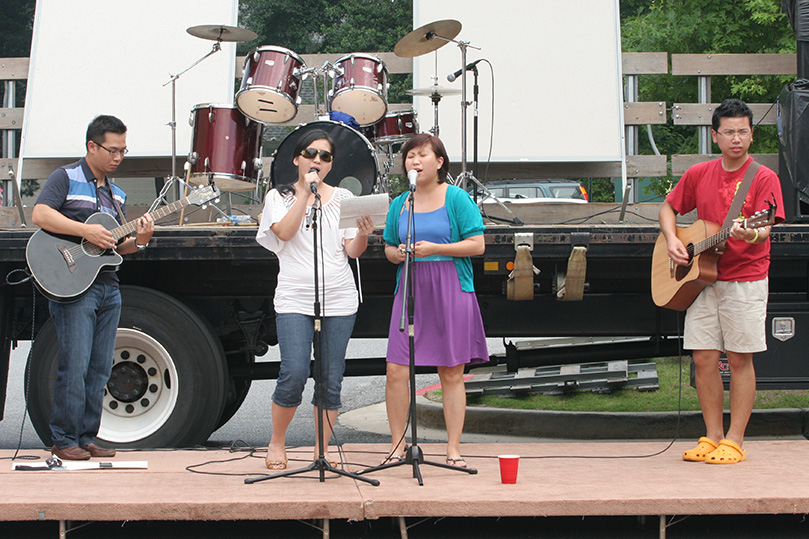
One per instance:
[(64, 267), (675, 286)]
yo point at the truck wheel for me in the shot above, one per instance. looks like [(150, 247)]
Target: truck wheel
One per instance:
[(167, 387), (236, 394)]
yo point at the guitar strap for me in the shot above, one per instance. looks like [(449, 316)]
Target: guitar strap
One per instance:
[(741, 192)]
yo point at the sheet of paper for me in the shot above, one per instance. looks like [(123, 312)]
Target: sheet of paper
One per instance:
[(376, 206)]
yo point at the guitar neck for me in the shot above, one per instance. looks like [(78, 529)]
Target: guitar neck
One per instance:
[(131, 226), (712, 241)]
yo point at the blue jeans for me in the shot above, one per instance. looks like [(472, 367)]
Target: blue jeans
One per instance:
[(86, 330), (295, 338)]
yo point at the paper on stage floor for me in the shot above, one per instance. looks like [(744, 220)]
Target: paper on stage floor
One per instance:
[(81, 465), (376, 206)]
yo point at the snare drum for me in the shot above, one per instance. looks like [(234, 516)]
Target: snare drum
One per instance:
[(272, 79), (360, 88), (396, 127), (225, 148), (355, 166)]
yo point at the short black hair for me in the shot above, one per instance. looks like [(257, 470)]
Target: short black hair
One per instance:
[(435, 144), (101, 125), (311, 136), (731, 108)]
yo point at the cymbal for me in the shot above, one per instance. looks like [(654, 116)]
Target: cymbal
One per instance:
[(434, 91), (427, 38), (220, 32)]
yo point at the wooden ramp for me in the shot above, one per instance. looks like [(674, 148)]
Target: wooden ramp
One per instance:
[(609, 479)]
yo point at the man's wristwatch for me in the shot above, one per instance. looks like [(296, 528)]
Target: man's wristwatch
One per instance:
[(141, 247)]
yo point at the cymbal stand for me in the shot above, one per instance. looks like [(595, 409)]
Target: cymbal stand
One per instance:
[(464, 45), (435, 98), (217, 46)]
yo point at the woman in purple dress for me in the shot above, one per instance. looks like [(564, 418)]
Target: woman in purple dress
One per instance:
[(447, 230)]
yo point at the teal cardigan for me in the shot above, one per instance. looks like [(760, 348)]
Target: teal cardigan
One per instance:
[(464, 222)]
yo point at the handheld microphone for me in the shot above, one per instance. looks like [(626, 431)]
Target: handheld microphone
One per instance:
[(313, 185), (412, 175), (469, 67)]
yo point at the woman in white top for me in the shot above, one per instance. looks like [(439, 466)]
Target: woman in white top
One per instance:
[(285, 230)]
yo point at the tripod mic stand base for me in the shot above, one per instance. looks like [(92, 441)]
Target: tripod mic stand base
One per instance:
[(415, 457), (320, 465)]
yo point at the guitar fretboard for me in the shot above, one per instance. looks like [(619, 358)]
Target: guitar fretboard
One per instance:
[(128, 228)]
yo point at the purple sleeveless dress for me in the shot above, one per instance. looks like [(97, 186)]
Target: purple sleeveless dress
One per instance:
[(448, 326)]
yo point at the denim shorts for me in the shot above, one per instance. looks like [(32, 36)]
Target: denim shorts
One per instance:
[(295, 340)]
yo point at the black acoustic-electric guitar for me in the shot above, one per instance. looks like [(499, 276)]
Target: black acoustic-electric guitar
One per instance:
[(64, 267)]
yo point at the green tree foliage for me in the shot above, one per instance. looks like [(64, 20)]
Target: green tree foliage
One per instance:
[(16, 27), (699, 27)]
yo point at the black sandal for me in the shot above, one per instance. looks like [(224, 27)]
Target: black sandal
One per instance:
[(455, 462)]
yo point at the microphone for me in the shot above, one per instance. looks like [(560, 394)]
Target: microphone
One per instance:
[(313, 185), (469, 67), (412, 174), (311, 212)]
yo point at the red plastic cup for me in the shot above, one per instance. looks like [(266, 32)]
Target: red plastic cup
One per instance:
[(508, 468)]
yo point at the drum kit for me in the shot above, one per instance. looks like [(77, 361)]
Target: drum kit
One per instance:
[(226, 143)]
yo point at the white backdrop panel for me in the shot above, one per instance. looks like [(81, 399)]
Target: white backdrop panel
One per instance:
[(91, 57), (557, 68)]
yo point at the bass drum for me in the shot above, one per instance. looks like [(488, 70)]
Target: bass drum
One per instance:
[(355, 166)]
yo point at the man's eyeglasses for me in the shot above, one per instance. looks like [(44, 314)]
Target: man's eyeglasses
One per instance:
[(743, 133), (310, 153), (114, 152)]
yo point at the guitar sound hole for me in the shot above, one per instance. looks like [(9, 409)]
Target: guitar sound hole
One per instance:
[(91, 249)]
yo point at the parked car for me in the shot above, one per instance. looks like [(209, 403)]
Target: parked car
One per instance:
[(532, 191)]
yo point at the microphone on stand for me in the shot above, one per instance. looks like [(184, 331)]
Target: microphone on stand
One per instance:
[(412, 175), (313, 185), (469, 67), (313, 188)]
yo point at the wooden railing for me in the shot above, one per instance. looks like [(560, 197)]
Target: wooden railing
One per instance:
[(636, 114)]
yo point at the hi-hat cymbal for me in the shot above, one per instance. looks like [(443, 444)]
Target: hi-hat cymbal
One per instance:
[(220, 32), (428, 38), (434, 91)]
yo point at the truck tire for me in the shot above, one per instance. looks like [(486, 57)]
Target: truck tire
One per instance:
[(167, 387), (237, 392)]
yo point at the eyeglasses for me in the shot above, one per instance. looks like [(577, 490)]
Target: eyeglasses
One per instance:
[(310, 153), (743, 133), (114, 152)]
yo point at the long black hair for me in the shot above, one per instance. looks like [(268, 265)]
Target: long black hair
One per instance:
[(303, 143)]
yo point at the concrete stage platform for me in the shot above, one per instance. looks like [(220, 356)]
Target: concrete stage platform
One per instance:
[(555, 479)]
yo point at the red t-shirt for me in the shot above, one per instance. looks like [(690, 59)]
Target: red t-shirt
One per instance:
[(710, 188)]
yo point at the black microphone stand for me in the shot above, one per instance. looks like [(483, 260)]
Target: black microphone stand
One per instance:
[(320, 464), (413, 453)]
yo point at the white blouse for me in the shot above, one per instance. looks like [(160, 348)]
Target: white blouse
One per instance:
[(295, 290)]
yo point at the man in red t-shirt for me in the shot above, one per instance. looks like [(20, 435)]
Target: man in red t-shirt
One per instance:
[(727, 316)]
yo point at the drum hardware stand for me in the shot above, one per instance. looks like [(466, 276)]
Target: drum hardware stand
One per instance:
[(320, 464), (15, 189), (217, 46), (464, 45), (413, 453), (161, 197)]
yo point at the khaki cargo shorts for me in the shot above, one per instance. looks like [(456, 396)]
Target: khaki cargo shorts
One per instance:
[(728, 315)]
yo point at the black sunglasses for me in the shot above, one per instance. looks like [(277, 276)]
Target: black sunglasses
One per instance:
[(310, 153)]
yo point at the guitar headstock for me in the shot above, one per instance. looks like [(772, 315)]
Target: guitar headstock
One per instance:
[(203, 194), (761, 218)]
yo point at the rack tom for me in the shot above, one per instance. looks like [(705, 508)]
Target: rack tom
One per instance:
[(360, 88), (270, 85)]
